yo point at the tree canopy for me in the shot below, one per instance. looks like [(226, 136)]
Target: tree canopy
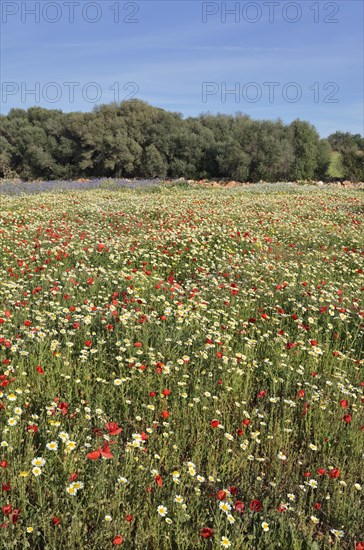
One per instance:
[(135, 139)]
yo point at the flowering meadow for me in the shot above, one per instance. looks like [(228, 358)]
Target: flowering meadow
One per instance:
[(182, 369)]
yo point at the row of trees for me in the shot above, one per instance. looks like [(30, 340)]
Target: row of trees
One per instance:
[(134, 139)]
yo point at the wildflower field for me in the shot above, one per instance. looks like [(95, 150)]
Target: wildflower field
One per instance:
[(182, 369)]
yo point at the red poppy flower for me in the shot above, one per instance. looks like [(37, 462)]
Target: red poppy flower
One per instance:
[(255, 505), (129, 518), (317, 506), (158, 480), (165, 414), (15, 515), (73, 477), (359, 546), (3, 464), (93, 455), (63, 407), (334, 473), (344, 403), (239, 506), (32, 428), (138, 345), (113, 428), (101, 452), (118, 539), (221, 495), (347, 418), (321, 471), (281, 508), (55, 520), (246, 422), (214, 423), (40, 369), (6, 509), (206, 532)]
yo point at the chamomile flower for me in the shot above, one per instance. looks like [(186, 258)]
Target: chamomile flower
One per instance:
[(38, 461), (77, 485), (162, 510), (338, 534), (63, 436), (225, 506), (52, 446), (70, 446)]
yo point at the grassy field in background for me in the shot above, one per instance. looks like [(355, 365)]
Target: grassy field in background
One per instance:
[(335, 169), (182, 369)]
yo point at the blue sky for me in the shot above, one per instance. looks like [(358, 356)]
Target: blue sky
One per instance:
[(186, 55)]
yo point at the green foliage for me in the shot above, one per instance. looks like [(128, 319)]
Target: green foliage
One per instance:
[(350, 147), (305, 144), (353, 163), (335, 169), (134, 139), (323, 156), (344, 140), (233, 161)]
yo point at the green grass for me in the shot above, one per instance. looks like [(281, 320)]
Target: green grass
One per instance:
[(335, 169)]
